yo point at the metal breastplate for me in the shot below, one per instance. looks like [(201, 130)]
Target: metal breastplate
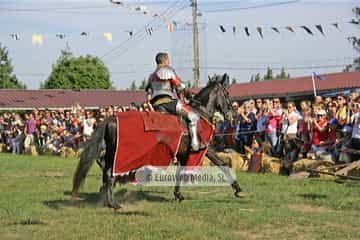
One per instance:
[(161, 87)]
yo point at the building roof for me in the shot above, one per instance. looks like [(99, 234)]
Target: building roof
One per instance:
[(29, 99), (296, 86)]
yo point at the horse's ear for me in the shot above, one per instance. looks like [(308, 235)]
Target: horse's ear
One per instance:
[(225, 80), (212, 79)]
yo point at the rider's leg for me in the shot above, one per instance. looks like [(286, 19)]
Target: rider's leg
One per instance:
[(193, 118)]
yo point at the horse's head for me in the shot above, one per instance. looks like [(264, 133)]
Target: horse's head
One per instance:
[(215, 96)]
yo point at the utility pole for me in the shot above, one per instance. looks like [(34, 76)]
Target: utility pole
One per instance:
[(196, 44)]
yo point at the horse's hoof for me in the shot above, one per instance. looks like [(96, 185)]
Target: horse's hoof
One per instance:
[(178, 196), (240, 194), (114, 206)]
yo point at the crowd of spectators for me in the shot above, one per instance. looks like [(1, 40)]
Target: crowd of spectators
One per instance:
[(49, 131), (328, 126), (289, 130)]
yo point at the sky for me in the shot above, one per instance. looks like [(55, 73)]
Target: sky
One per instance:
[(132, 58)]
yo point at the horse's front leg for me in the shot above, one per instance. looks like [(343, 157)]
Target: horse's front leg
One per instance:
[(214, 158), (178, 196)]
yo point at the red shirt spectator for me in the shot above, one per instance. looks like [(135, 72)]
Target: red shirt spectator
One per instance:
[(320, 130)]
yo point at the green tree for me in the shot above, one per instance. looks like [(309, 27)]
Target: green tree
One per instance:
[(283, 74), (84, 72), (233, 81), (269, 74), (8, 80), (143, 85), (355, 41), (133, 86), (256, 78)]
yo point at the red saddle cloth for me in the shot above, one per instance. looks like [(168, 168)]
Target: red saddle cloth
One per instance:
[(153, 139)]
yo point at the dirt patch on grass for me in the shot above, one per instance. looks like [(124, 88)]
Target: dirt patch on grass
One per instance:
[(305, 208)]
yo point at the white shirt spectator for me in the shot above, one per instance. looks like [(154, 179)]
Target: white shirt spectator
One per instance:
[(88, 126), (292, 128)]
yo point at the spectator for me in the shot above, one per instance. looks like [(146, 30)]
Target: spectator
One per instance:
[(262, 119), (318, 104), (246, 124), (88, 125), (273, 127), (320, 132), (292, 150), (341, 113), (331, 110)]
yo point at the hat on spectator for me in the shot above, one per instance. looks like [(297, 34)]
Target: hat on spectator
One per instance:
[(333, 121), (321, 112)]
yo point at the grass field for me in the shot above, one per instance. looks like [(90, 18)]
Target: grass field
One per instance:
[(35, 204)]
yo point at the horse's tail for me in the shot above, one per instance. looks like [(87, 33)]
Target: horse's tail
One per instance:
[(91, 152)]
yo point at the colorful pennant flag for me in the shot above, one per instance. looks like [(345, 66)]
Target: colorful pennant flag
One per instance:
[(318, 76), (37, 39), (222, 28), (290, 29), (336, 25), (170, 27), (15, 36), (60, 35), (247, 31), (275, 29), (307, 30), (319, 27), (259, 29), (130, 33), (108, 36)]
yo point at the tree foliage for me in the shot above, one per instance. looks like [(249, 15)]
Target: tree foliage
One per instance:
[(355, 41), (269, 75), (8, 80), (133, 86), (84, 72)]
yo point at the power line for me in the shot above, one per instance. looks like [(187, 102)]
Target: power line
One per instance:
[(53, 8), (139, 35), (154, 27), (251, 7), (276, 68)]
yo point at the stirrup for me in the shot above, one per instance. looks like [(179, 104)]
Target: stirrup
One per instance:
[(201, 146)]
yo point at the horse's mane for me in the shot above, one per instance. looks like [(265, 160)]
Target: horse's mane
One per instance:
[(202, 97)]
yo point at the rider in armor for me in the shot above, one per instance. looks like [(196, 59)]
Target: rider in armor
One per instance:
[(162, 90)]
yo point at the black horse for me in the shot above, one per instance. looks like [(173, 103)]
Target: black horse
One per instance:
[(213, 97)]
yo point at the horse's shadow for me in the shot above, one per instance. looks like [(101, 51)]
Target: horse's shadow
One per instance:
[(97, 199)]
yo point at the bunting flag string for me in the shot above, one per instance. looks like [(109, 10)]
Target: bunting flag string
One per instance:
[(171, 26), (292, 29)]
